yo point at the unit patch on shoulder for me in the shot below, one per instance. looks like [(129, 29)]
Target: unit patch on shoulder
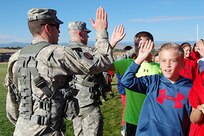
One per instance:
[(88, 55)]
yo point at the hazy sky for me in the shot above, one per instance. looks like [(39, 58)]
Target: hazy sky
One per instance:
[(167, 20)]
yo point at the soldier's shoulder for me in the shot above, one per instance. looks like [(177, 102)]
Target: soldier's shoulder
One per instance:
[(60, 49), (54, 47), (51, 50), (14, 56)]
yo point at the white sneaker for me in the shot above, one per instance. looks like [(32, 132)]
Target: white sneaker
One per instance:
[(123, 132)]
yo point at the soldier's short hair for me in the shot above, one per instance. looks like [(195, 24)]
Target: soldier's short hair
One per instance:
[(37, 17)]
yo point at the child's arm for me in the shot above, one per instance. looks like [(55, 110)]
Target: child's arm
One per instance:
[(129, 80), (200, 45), (197, 114)]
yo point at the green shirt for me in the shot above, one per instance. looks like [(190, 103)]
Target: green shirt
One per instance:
[(134, 100)]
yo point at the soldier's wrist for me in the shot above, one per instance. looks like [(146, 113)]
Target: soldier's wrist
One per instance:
[(101, 34)]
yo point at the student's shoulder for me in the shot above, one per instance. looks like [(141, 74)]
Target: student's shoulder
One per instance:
[(123, 61), (185, 82), (198, 84), (154, 77), (191, 61), (155, 64), (199, 79)]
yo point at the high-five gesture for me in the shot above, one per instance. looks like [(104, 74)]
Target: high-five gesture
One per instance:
[(145, 49), (117, 35), (101, 22), (200, 45)]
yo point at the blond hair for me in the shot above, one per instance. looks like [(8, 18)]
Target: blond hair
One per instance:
[(172, 46)]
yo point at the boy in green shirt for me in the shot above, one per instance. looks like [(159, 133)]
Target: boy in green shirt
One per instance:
[(134, 100)]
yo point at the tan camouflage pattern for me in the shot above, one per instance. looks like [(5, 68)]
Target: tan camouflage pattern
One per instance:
[(55, 64), (127, 54), (91, 125), (43, 14), (78, 25)]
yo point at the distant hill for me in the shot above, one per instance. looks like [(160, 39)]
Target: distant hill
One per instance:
[(120, 45), (14, 44)]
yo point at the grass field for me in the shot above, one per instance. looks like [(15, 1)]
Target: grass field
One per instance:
[(111, 111)]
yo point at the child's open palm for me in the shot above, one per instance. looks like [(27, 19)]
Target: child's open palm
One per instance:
[(145, 49)]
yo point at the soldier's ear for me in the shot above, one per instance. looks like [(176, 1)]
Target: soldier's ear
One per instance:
[(80, 33), (47, 28)]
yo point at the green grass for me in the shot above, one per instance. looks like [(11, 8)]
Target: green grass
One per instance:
[(6, 128), (111, 111)]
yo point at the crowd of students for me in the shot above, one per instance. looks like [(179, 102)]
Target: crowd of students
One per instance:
[(163, 94), (161, 98)]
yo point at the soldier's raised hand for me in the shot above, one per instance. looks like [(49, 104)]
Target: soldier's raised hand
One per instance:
[(117, 35), (101, 22)]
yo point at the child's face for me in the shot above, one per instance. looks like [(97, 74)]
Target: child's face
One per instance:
[(170, 63), (196, 48), (138, 40), (187, 51), (156, 59)]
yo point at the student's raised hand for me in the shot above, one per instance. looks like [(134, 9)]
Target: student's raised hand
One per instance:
[(117, 35), (145, 49), (200, 47), (201, 108), (101, 22)]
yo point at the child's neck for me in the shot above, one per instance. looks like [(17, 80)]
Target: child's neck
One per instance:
[(173, 80), (147, 60)]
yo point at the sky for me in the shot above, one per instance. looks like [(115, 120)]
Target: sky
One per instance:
[(167, 20)]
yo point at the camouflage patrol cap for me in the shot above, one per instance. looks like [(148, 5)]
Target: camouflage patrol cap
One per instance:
[(43, 14), (78, 25)]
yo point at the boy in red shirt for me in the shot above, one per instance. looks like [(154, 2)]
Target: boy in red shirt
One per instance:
[(196, 97)]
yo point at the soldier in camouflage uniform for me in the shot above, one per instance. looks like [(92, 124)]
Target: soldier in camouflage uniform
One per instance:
[(89, 121), (38, 96)]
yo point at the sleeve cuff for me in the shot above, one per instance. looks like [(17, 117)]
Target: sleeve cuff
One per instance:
[(103, 34), (201, 64)]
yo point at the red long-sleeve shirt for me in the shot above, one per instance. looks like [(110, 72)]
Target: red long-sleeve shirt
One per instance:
[(190, 69), (196, 97)]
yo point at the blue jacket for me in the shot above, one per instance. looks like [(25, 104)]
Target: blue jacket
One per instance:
[(121, 88), (166, 109)]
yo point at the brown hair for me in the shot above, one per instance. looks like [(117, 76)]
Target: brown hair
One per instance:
[(36, 26), (185, 44), (143, 34)]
